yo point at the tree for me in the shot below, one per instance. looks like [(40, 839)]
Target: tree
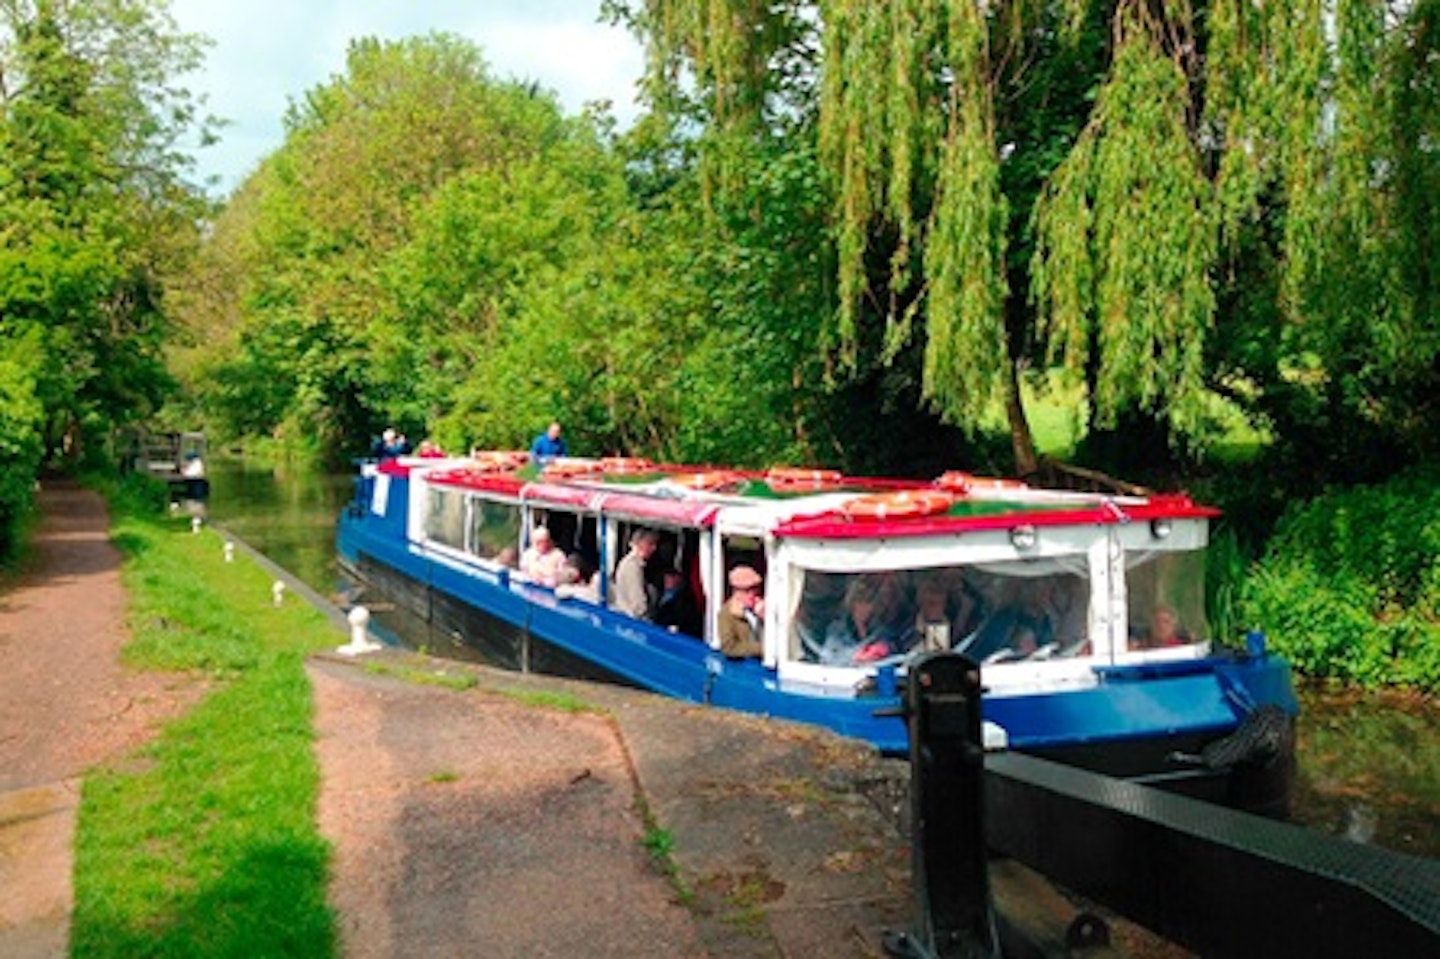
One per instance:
[(94, 201), (1086, 182)]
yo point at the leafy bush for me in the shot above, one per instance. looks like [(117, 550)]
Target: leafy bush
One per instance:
[(21, 415), (1350, 584)]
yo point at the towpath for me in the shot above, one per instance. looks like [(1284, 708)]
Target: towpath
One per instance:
[(66, 703)]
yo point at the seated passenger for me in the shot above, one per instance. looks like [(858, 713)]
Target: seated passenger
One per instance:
[(1008, 635), (866, 632), (1165, 630), (542, 561), (632, 595), (579, 580), (741, 621), (676, 609), (821, 597), (943, 616)]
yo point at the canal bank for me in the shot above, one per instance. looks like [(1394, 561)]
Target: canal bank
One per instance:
[(515, 815)]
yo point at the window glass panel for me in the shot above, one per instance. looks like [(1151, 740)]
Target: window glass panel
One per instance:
[(445, 518), (1003, 613), (1166, 599), (495, 531)]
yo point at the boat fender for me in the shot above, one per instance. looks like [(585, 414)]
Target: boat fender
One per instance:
[(1264, 736)]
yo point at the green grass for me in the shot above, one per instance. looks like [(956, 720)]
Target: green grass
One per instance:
[(423, 677), (205, 843), (1056, 411), (564, 702)]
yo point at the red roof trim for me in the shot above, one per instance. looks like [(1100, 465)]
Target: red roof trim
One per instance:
[(555, 494), (393, 467), (837, 526), (501, 483), (680, 512)]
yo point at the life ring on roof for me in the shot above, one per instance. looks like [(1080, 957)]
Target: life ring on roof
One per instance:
[(569, 468), (715, 479), (626, 464), (493, 461), (957, 481), (902, 504), (801, 477)]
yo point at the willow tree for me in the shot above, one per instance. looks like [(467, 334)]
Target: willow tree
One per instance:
[(1083, 181)]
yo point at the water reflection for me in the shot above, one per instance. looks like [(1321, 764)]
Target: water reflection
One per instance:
[(1370, 767), (286, 512)]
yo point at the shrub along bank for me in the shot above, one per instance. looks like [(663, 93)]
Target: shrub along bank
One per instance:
[(206, 844), (1349, 586)]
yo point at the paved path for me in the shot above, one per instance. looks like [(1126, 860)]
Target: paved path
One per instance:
[(467, 824), (66, 703)]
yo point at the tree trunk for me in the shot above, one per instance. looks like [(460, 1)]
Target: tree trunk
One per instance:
[(1021, 440)]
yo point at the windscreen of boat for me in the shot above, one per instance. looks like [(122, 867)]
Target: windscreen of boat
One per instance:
[(1165, 599), (994, 612)]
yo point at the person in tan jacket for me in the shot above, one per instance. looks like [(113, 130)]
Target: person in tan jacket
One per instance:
[(743, 615)]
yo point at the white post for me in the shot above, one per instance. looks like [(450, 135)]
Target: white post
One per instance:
[(360, 641), (229, 552), (277, 592), (195, 524)]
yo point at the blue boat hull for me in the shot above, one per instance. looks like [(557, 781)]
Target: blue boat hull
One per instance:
[(1131, 724)]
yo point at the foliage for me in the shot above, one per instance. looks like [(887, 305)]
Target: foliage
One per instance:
[(95, 208), (1350, 583), (209, 847), (1178, 202), (21, 418)]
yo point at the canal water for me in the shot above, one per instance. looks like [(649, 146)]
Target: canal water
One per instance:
[(1369, 763)]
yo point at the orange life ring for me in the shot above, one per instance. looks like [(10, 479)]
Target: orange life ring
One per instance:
[(794, 476), (957, 481), (902, 504), (569, 468), (626, 464), (708, 481)]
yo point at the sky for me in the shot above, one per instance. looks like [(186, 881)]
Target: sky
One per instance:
[(268, 52)]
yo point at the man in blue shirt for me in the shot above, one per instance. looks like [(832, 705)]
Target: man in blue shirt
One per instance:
[(548, 445)]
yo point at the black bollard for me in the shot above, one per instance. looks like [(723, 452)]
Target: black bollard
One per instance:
[(947, 793)]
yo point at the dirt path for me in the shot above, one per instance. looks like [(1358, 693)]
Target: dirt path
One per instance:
[(66, 703)]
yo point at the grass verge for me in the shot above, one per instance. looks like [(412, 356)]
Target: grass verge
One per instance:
[(206, 842)]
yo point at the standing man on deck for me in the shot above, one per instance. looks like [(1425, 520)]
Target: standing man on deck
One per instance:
[(548, 445)]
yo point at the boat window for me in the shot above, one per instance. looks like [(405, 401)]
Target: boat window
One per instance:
[(744, 551), (494, 531), (445, 518), (574, 533), (1165, 599), (1003, 612)]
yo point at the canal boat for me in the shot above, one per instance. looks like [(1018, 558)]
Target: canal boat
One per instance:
[(1084, 610), (176, 459)]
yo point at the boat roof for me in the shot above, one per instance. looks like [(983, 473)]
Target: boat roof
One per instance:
[(790, 502)]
